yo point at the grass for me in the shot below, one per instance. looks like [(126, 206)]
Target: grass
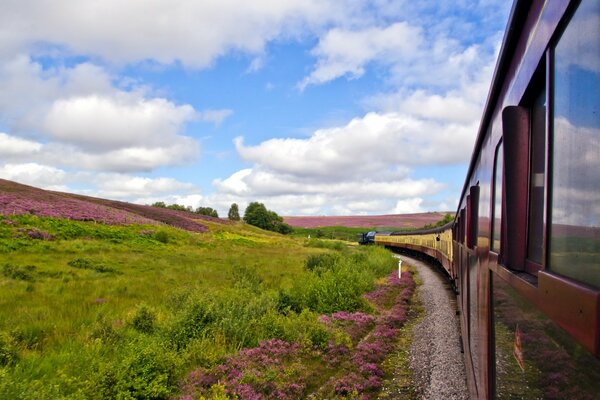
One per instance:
[(90, 310)]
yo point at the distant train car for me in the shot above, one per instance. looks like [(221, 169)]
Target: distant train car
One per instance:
[(525, 248), (366, 238)]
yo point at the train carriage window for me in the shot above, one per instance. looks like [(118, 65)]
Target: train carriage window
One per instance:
[(537, 168), (497, 197), (473, 216), (575, 198)]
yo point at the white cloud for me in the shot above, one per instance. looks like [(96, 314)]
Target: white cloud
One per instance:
[(191, 32), (11, 146), (120, 121), (89, 123), (409, 206), (362, 167), (116, 186), (123, 186), (215, 116), (373, 143), (34, 174), (345, 52)]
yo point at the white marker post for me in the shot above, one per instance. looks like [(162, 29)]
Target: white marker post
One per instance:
[(399, 269)]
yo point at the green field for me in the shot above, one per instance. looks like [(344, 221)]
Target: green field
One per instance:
[(97, 311)]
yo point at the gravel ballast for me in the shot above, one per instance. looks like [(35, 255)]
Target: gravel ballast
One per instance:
[(435, 353)]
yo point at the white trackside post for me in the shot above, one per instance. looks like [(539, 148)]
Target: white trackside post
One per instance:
[(399, 269)]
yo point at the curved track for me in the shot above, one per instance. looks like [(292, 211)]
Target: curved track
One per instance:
[(435, 354)]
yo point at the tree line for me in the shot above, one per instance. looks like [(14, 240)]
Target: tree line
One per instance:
[(256, 214)]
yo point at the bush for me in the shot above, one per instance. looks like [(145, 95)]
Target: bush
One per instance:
[(147, 371), (208, 211), (19, 273), (257, 214), (144, 319), (321, 262), (8, 354), (84, 263), (162, 237), (191, 323)]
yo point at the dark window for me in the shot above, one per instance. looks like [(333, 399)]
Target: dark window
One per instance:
[(575, 200), (473, 219), (537, 176), (497, 196)]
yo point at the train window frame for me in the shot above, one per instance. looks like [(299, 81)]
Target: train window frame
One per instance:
[(553, 182), (472, 216), (497, 199), (538, 136)]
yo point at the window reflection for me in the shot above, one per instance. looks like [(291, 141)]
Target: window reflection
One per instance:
[(534, 358), (497, 211), (575, 232)]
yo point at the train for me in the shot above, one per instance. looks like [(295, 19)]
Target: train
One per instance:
[(523, 250)]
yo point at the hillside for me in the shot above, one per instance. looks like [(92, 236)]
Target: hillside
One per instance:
[(136, 308), (18, 199), (368, 221)]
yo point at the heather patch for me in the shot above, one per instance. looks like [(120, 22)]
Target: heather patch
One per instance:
[(278, 369), (52, 205)]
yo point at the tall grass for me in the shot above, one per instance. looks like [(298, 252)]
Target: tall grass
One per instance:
[(99, 311)]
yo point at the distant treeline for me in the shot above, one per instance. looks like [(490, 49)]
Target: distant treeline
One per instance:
[(256, 214)]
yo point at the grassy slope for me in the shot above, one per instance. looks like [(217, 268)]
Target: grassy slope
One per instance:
[(52, 310), (71, 306), (102, 310)]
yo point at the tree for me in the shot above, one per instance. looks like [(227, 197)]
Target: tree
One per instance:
[(211, 212), (160, 204), (234, 213), (178, 207), (257, 214)]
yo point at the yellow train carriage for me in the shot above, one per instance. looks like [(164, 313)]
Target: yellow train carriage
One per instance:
[(436, 243)]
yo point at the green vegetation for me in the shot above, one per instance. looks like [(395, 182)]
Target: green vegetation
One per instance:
[(209, 211), (447, 219), (234, 212), (93, 311), (258, 215)]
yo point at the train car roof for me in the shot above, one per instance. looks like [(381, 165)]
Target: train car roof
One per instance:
[(516, 20), (424, 231)]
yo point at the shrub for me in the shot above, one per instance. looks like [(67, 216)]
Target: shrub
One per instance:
[(191, 323), (144, 319), (8, 354), (321, 262), (84, 263), (162, 237), (208, 211), (104, 331), (18, 273), (31, 337), (147, 371), (258, 215)]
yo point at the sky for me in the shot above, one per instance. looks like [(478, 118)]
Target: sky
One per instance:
[(312, 107)]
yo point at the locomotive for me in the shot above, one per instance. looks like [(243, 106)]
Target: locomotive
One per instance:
[(523, 251)]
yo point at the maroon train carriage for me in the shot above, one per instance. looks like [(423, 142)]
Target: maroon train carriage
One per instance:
[(525, 253)]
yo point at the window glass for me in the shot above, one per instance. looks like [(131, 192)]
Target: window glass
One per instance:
[(497, 211), (534, 358), (575, 231), (473, 313), (537, 178)]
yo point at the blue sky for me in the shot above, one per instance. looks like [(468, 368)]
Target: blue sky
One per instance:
[(312, 107)]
